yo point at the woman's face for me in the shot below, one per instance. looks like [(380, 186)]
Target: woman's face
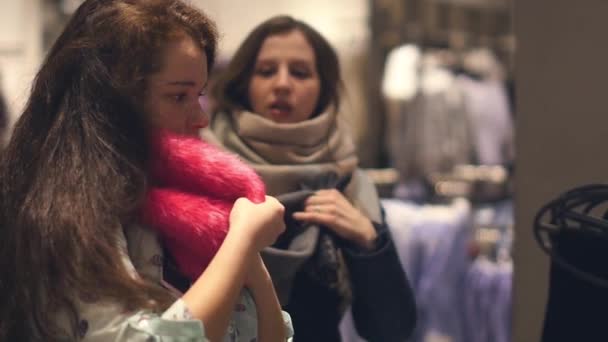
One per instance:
[(173, 93), (285, 85)]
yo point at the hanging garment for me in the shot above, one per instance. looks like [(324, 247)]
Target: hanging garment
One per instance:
[(488, 108), (431, 241), (487, 299), (431, 132)]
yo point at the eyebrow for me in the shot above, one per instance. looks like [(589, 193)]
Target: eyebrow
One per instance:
[(184, 84), (299, 60)]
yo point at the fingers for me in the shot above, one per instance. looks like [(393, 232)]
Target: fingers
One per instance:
[(326, 214), (317, 217), (262, 222), (337, 224), (327, 209), (274, 201), (328, 192), (318, 200), (311, 216), (323, 197), (271, 199), (241, 200), (325, 206)]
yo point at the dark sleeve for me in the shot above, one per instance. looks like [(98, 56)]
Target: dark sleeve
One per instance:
[(383, 303)]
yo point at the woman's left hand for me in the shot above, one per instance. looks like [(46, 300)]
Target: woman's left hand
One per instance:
[(331, 209)]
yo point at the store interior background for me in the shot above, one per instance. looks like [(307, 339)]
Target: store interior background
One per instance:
[(558, 64)]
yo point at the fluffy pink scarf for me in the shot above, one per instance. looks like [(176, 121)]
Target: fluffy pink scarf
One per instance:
[(193, 188)]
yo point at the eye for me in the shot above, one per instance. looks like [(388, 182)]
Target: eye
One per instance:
[(265, 71), (179, 98), (300, 70), (300, 73)]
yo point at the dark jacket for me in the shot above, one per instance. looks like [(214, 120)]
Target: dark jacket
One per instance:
[(383, 304)]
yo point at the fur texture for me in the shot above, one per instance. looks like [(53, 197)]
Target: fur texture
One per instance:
[(193, 188)]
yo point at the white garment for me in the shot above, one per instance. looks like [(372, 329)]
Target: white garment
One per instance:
[(400, 79)]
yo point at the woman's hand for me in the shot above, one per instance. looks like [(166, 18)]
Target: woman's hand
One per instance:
[(261, 224), (213, 295), (331, 209)]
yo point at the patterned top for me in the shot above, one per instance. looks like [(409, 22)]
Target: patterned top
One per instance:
[(142, 254)]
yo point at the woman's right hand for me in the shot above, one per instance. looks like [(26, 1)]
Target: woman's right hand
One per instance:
[(212, 297), (261, 224)]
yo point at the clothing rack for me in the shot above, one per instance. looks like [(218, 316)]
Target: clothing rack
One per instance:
[(478, 183), (454, 25)]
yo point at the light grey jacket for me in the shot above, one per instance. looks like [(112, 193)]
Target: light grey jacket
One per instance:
[(143, 255)]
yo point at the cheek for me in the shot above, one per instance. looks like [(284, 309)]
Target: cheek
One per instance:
[(256, 93), (165, 116), (153, 114), (312, 96)]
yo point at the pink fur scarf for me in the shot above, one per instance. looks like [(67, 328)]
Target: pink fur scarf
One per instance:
[(193, 188)]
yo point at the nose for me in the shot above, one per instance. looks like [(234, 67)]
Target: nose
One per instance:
[(199, 117), (283, 81)]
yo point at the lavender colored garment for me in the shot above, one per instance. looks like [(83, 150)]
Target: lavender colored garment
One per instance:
[(431, 241), (488, 286), (488, 301), (443, 282), (458, 300), (472, 307), (501, 312), (348, 332)]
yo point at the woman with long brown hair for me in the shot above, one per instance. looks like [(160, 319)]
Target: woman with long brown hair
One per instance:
[(278, 108), (77, 261)]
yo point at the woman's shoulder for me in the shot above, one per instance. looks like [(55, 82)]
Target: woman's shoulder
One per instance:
[(108, 320)]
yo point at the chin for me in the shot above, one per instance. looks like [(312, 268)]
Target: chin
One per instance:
[(282, 120), (275, 118), (192, 133)]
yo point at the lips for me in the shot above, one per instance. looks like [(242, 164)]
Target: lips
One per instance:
[(279, 109), (201, 125), (195, 129)]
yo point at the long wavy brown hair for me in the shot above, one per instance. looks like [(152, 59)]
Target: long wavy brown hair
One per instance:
[(74, 172)]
